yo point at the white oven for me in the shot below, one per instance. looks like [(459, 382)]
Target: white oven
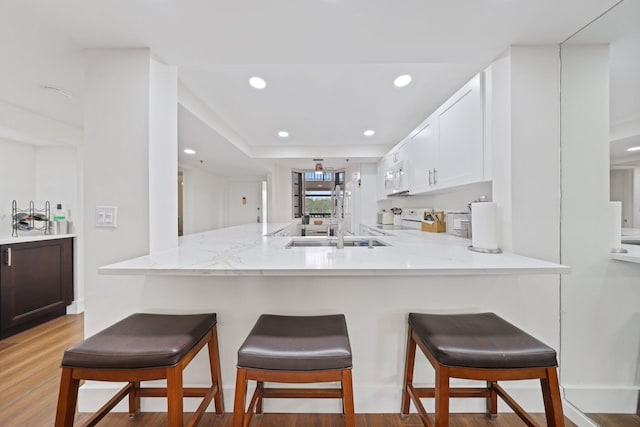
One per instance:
[(412, 218)]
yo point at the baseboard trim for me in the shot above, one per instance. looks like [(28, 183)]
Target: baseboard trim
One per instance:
[(576, 416), (603, 399), (76, 307)]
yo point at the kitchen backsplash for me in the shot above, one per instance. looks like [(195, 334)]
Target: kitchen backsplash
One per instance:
[(455, 200)]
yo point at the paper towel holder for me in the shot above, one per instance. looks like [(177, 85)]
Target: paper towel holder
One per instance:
[(484, 251)]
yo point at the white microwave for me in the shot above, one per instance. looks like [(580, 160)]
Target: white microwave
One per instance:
[(396, 179)]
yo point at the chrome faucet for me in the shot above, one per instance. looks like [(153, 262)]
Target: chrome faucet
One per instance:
[(340, 233)]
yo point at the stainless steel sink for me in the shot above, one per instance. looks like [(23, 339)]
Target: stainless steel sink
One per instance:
[(348, 242)]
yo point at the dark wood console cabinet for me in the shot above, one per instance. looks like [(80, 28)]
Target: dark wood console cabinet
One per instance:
[(36, 283)]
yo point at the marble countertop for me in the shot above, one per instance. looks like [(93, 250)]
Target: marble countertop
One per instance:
[(26, 237), (633, 251), (632, 255), (247, 250)]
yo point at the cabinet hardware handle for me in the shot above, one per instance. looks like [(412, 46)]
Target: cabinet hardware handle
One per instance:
[(8, 257), (435, 175), (429, 176)]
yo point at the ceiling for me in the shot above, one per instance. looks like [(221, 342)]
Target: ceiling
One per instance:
[(328, 64)]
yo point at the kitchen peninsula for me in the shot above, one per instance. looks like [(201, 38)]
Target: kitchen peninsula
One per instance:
[(241, 272)]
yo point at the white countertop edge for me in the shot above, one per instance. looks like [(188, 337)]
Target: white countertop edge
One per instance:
[(246, 251), (455, 271), (633, 254), (35, 238)]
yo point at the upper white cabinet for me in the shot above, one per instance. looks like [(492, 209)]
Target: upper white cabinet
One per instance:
[(422, 151), (447, 149), (384, 165), (461, 137)]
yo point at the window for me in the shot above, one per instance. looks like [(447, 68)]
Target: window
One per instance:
[(313, 194)]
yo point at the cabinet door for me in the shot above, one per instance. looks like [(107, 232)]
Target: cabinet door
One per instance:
[(461, 137), (422, 153), (36, 280), (383, 167)]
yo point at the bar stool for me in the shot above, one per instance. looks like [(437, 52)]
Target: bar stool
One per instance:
[(143, 347), (478, 347), (294, 349)]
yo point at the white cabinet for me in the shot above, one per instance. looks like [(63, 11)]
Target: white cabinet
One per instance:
[(397, 174), (447, 149), (461, 137), (384, 165), (422, 152)]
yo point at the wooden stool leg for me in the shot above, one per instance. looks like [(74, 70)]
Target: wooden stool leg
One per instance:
[(216, 372), (260, 386), (409, 363), (240, 398), (347, 399), (67, 399), (174, 396), (442, 396), (552, 399), (492, 400), (134, 399)]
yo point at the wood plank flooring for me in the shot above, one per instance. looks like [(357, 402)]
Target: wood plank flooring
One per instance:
[(616, 420), (30, 375)]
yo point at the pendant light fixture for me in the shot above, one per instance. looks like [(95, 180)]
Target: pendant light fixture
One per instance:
[(319, 170)]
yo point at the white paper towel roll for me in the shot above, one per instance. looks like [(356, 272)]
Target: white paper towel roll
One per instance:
[(484, 225), (615, 233)]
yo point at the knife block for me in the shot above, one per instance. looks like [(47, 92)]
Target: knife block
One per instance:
[(438, 226)]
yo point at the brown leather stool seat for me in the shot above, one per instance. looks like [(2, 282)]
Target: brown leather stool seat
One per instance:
[(479, 346), (294, 349), (138, 348)]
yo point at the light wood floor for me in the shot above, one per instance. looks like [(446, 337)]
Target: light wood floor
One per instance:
[(30, 374)]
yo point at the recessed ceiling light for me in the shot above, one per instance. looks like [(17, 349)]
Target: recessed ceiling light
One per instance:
[(634, 149), (369, 132), (402, 80), (283, 134), (257, 82), (189, 151)]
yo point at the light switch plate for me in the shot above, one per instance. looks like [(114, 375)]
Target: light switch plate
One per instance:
[(106, 216)]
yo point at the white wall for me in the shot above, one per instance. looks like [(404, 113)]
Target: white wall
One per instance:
[(117, 125), (600, 320), (57, 179), (498, 139), (636, 199), (17, 180), (202, 201), (535, 151), (163, 156), (28, 172), (451, 200), (235, 212)]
